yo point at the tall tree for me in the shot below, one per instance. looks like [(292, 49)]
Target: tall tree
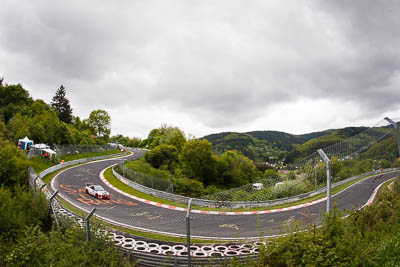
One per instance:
[(61, 105), (13, 99), (100, 122), (198, 160)]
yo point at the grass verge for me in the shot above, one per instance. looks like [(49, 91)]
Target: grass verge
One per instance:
[(70, 157), (385, 187)]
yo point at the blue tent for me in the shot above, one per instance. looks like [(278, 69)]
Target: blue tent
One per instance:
[(25, 144)]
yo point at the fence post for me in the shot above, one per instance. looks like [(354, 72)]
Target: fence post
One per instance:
[(51, 206), (34, 183), (396, 126), (328, 178), (88, 224), (188, 232)]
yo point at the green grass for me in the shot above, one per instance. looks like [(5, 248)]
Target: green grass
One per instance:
[(127, 189), (70, 157), (39, 164), (385, 186), (115, 182)]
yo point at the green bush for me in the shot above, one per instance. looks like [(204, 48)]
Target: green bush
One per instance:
[(19, 208), (188, 187), (163, 156), (144, 167), (14, 165), (368, 237), (68, 248)]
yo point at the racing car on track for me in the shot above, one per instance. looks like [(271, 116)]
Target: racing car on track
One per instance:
[(97, 191)]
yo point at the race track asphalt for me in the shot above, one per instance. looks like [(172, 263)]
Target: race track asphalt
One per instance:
[(124, 210)]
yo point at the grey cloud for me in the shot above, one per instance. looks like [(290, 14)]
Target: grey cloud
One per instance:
[(221, 62), (371, 31)]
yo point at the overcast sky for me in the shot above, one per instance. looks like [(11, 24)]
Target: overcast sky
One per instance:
[(209, 66)]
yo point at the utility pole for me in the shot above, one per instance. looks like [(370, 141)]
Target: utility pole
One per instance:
[(88, 224), (396, 126), (328, 178), (188, 232), (51, 206)]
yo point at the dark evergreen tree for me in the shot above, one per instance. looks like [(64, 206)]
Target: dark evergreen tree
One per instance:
[(61, 105)]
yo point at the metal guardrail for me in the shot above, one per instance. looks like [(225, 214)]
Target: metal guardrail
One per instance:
[(233, 204)]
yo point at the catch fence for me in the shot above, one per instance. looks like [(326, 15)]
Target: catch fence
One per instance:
[(301, 179), (69, 149), (156, 183)]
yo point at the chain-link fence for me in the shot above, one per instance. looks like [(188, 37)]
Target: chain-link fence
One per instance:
[(149, 181), (308, 173), (77, 149), (305, 176), (61, 150)]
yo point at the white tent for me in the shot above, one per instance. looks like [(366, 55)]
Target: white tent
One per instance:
[(48, 153), (25, 143), (41, 146)]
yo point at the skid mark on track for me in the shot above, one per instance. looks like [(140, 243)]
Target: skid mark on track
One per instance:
[(81, 171), (81, 196), (230, 226), (146, 215)]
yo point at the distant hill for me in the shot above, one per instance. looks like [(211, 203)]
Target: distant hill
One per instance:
[(250, 146), (269, 145), (285, 141), (322, 141), (260, 145)]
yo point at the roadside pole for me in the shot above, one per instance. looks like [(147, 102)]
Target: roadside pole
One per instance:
[(188, 232), (51, 206), (88, 224), (328, 178)]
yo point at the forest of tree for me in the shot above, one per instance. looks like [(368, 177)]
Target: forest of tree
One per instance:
[(27, 234), (191, 164), (21, 115)]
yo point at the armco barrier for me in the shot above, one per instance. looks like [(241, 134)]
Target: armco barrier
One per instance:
[(232, 204)]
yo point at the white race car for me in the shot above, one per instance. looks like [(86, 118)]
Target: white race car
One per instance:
[(97, 191)]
